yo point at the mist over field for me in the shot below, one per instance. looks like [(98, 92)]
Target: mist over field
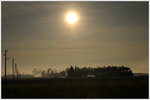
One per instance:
[(74, 50)]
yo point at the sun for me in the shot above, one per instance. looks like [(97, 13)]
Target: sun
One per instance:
[(71, 17)]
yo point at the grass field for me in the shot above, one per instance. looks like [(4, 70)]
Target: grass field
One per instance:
[(136, 87)]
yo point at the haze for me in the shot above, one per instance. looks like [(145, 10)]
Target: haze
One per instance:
[(37, 36)]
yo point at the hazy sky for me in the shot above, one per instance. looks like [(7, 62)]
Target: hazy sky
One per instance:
[(37, 35)]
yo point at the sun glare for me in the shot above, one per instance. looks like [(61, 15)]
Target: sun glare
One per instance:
[(72, 17)]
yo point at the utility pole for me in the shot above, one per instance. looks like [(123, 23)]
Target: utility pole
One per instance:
[(13, 62), (5, 65), (16, 70)]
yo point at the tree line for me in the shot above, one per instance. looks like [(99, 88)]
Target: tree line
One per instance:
[(76, 72), (109, 71), (49, 73)]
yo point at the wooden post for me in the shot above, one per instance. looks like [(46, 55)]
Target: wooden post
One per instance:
[(13, 68), (6, 65), (16, 70)]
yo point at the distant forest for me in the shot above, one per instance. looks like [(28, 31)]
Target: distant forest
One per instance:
[(110, 71), (76, 72)]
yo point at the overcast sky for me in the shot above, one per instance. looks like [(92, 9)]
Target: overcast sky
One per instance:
[(37, 35)]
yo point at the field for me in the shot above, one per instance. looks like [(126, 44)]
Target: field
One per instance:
[(136, 87)]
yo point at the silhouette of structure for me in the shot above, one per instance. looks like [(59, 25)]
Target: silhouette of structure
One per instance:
[(13, 63), (16, 71), (6, 65)]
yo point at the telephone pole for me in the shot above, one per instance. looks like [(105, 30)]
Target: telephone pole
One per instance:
[(5, 65), (16, 70), (13, 62)]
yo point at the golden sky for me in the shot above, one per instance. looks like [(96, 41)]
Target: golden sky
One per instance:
[(37, 35)]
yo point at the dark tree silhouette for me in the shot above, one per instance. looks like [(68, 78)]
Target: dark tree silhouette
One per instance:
[(110, 71), (70, 72)]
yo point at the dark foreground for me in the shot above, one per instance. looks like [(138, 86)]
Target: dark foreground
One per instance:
[(136, 87)]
